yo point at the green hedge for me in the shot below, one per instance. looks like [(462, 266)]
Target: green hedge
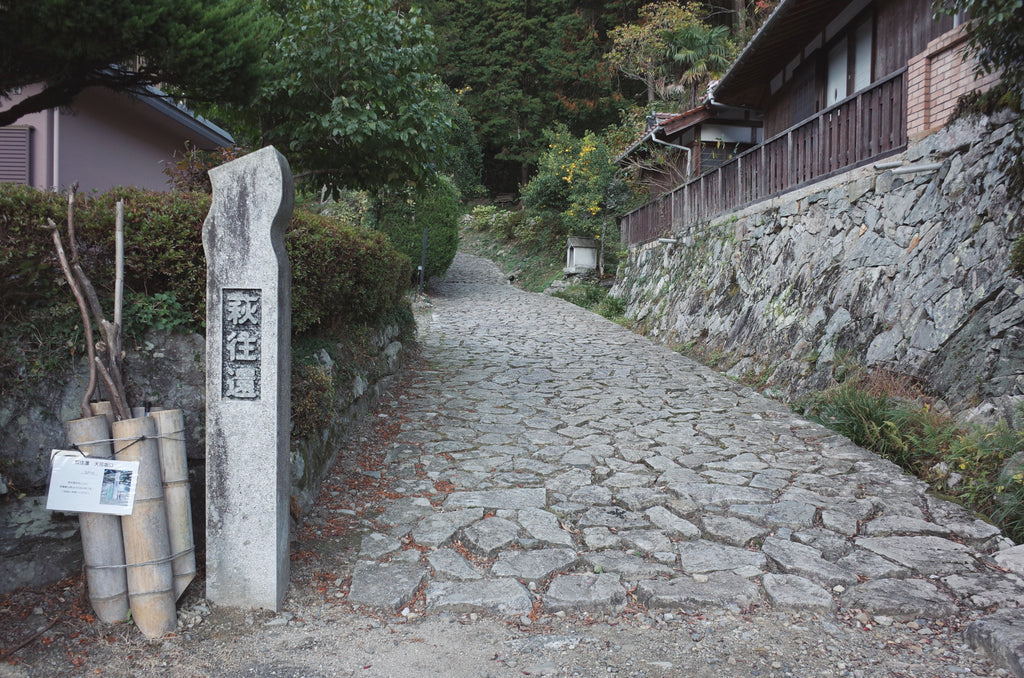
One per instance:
[(435, 207), (27, 259), (340, 273)]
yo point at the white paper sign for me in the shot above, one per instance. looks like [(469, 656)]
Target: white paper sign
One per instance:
[(81, 484)]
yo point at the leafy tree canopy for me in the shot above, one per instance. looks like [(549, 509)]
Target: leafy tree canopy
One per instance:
[(996, 30), (578, 179), (350, 97), (525, 65), (206, 50), (673, 51)]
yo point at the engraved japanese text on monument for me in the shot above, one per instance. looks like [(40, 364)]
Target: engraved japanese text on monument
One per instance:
[(241, 350)]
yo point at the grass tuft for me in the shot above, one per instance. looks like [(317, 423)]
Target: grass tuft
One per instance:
[(965, 463)]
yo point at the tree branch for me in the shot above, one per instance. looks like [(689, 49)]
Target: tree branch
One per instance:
[(87, 325), (50, 97)]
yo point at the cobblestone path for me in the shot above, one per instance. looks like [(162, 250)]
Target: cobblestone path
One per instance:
[(554, 461)]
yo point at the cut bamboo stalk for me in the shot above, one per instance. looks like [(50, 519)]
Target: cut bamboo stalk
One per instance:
[(170, 425), (118, 263), (103, 550), (146, 544), (105, 408)]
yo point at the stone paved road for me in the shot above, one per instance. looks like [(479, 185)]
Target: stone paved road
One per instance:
[(552, 460)]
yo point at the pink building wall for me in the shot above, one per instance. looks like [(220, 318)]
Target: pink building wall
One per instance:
[(110, 139), (937, 78)]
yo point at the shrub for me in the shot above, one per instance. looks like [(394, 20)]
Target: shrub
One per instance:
[(577, 180), (190, 170), (341, 273), (27, 260), (163, 245), (594, 297), (501, 222), (406, 213), (541, 229), (313, 399), (930, 444)]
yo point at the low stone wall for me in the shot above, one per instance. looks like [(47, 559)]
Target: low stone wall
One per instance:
[(312, 457), (904, 271), (38, 547)]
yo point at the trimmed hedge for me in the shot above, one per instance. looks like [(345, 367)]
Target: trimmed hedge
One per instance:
[(339, 272), (27, 259), (435, 207)]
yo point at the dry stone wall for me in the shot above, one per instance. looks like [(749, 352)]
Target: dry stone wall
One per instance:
[(39, 547), (167, 370), (903, 270)]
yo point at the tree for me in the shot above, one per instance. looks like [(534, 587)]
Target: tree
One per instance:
[(433, 207), (577, 179), (701, 53), (205, 50), (350, 97), (996, 34), (525, 65), (673, 51)]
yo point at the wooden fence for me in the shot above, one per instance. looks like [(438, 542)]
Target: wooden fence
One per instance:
[(862, 128)]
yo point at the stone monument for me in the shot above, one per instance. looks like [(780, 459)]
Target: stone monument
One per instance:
[(248, 381)]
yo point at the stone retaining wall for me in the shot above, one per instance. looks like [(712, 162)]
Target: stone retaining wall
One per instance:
[(38, 547), (904, 271)]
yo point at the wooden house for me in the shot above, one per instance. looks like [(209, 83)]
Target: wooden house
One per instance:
[(108, 139), (678, 146), (839, 84)]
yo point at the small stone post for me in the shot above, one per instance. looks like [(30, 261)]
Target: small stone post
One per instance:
[(248, 381)]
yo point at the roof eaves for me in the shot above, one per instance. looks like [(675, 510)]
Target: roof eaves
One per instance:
[(207, 130), (773, 45)]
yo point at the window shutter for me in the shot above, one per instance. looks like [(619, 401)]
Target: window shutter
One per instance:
[(16, 155)]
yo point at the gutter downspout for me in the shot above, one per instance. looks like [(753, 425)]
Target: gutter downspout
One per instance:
[(656, 140), (55, 148)]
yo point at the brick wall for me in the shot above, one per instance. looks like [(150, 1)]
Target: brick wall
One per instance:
[(937, 78)]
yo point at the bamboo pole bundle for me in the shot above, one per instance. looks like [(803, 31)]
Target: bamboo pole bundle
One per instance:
[(102, 547), (170, 425), (105, 408), (146, 545)]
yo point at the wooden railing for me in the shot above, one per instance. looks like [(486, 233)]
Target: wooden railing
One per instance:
[(864, 127)]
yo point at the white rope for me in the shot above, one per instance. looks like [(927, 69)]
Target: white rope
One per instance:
[(134, 440), (160, 561)]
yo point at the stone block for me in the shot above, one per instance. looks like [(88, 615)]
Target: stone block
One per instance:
[(248, 381), (386, 585), (439, 529), (629, 566), (702, 556), (37, 547), (721, 590), (806, 561), (787, 591), (544, 526), (925, 555), (449, 565), (500, 596), (1012, 559), (585, 593), (514, 498), (486, 537), (903, 599), (1001, 636), (533, 566)]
